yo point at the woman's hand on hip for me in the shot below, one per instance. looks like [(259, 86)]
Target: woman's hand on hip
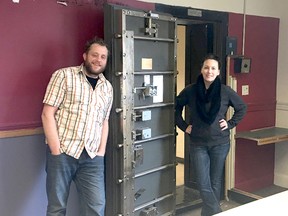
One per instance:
[(223, 124), (188, 129)]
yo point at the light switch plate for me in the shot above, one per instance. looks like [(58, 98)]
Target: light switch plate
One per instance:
[(245, 89)]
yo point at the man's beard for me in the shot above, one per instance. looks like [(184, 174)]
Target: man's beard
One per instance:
[(90, 71)]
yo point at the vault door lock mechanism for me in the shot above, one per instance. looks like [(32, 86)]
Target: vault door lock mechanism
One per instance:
[(146, 90), (142, 115), (141, 134), (151, 28), (149, 90)]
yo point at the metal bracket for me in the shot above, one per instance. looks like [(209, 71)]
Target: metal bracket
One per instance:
[(151, 28), (138, 155), (142, 133), (139, 193), (151, 211), (147, 90), (142, 115), (150, 90)]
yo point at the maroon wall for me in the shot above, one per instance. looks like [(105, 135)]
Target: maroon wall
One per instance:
[(254, 166), (38, 37)]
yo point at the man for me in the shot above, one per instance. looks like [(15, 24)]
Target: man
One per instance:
[(75, 117)]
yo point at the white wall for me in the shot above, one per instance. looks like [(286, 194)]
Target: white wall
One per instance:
[(253, 7), (270, 8), (281, 153)]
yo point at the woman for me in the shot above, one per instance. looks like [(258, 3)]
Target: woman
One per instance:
[(208, 101)]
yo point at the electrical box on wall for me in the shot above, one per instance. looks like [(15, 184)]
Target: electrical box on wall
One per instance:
[(242, 65), (231, 46)]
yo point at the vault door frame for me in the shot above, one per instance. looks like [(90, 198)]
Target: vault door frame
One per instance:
[(121, 158)]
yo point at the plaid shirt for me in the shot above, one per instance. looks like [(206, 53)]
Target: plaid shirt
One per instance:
[(82, 110)]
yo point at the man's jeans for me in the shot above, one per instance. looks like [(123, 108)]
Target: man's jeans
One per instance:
[(208, 163), (88, 175)]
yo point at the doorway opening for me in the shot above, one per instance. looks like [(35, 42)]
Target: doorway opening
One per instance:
[(197, 36), (195, 40), (185, 196)]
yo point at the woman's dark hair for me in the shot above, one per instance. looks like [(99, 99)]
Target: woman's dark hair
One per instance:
[(213, 57), (95, 40)]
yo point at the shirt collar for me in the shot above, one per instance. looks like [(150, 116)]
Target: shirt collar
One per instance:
[(81, 70)]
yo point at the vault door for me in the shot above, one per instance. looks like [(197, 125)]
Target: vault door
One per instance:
[(141, 149)]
